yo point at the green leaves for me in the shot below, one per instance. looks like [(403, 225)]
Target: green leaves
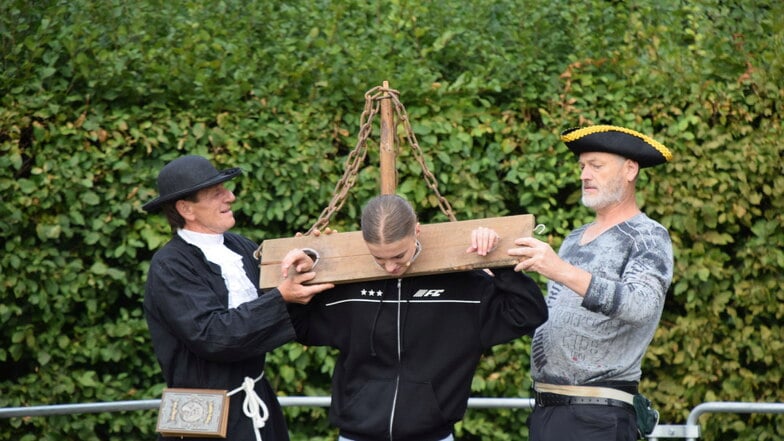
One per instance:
[(96, 97)]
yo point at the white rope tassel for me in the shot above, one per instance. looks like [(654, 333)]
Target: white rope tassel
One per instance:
[(252, 404)]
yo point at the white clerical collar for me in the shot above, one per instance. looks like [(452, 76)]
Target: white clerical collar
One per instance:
[(240, 288), (200, 239)]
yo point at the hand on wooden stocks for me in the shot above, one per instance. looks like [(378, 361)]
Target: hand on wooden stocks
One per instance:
[(293, 288)]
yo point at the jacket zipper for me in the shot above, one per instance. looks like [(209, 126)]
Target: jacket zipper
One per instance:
[(397, 377)]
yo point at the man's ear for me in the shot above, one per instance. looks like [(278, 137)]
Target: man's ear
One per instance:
[(184, 208), (632, 169)]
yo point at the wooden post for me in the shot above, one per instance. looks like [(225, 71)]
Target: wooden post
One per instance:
[(387, 143)]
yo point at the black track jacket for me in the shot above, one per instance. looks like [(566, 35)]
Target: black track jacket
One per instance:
[(409, 347)]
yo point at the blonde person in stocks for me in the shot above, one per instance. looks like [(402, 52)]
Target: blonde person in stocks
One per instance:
[(209, 323), (605, 296), (409, 346)]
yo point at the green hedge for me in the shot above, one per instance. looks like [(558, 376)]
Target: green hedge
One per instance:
[(96, 96)]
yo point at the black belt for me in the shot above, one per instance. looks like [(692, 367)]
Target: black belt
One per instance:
[(547, 400)]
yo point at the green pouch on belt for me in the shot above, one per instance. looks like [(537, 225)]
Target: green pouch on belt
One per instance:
[(647, 417)]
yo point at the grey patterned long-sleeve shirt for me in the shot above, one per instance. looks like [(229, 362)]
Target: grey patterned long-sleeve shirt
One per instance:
[(603, 336)]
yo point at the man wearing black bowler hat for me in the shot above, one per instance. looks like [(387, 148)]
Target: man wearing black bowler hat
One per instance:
[(210, 324), (605, 297)]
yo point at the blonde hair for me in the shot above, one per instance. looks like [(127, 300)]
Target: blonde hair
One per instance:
[(387, 218)]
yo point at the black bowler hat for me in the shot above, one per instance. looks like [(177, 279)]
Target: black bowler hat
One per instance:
[(611, 139), (186, 175)]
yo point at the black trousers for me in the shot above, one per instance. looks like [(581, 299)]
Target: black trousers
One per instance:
[(582, 422)]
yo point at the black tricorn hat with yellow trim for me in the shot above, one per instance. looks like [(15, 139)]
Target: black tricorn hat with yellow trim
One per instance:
[(612, 139)]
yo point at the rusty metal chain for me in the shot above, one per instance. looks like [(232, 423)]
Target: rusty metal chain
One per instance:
[(430, 179), (357, 156), (353, 163)]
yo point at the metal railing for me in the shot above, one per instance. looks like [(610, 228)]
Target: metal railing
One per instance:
[(120, 406), (689, 431)]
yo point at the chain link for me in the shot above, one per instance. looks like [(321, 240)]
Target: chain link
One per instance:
[(356, 157)]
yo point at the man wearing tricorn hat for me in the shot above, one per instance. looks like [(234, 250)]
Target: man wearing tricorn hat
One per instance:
[(210, 324), (606, 292)]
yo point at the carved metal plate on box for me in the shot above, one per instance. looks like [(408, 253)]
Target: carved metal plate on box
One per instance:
[(193, 412)]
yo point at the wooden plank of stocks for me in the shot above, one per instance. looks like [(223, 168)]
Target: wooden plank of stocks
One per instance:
[(345, 258)]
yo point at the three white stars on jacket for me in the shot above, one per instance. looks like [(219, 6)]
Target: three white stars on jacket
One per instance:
[(372, 293)]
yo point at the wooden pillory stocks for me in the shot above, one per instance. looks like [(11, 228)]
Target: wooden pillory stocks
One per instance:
[(343, 257)]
